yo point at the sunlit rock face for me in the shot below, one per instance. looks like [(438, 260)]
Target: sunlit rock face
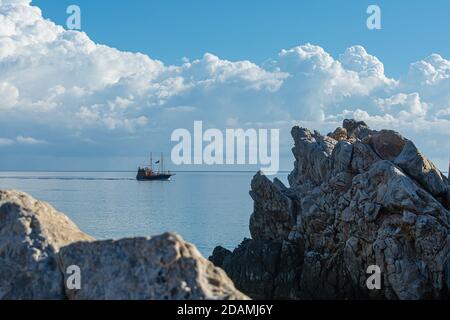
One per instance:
[(163, 267), (356, 197), (31, 234)]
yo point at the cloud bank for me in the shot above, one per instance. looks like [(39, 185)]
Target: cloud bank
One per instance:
[(59, 88)]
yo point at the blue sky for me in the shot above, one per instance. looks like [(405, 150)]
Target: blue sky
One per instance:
[(257, 29), (103, 98)]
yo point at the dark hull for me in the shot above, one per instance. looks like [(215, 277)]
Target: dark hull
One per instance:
[(157, 177)]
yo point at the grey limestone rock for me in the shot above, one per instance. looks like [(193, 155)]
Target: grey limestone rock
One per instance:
[(31, 234), (163, 267)]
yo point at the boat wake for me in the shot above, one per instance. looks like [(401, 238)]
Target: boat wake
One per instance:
[(65, 178)]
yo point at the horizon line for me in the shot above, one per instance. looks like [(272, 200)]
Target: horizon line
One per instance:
[(112, 171)]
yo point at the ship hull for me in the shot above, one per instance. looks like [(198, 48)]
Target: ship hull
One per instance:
[(159, 177)]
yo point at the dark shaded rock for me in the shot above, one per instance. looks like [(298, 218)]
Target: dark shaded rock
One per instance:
[(254, 265), (264, 269), (447, 272), (287, 280), (219, 255), (322, 279)]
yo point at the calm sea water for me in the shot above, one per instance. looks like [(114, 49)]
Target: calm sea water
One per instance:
[(206, 209)]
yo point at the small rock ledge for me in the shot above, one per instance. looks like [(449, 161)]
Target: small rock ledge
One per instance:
[(38, 244), (357, 197)]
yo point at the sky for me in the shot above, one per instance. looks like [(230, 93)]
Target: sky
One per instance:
[(257, 30), (102, 98)]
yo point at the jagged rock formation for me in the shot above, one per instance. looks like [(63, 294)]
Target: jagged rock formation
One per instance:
[(357, 197), (38, 244)]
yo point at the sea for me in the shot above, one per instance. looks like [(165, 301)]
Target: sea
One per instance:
[(206, 208)]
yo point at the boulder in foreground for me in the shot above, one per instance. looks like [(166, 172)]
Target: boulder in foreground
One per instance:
[(158, 268), (31, 234), (38, 244)]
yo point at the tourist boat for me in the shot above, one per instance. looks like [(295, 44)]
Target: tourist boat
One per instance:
[(147, 173)]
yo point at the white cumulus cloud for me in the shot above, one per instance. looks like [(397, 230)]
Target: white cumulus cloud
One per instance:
[(60, 85)]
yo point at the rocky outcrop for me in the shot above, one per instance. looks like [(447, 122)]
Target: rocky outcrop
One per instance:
[(39, 244), (356, 198)]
